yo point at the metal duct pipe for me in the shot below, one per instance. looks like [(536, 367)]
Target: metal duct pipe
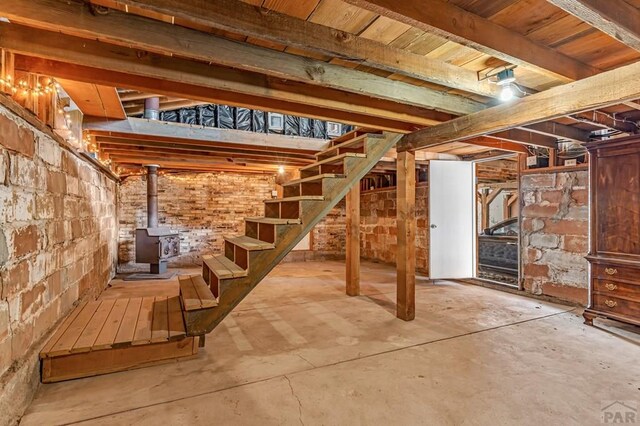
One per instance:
[(152, 108), (152, 196)]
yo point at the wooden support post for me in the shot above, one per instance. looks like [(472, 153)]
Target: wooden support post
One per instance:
[(485, 209), (353, 241), (7, 71), (406, 222)]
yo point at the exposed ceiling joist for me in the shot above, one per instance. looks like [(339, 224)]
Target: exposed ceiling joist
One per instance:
[(500, 144), (558, 130), (246, 19), (155, 36), (525, 137), (137, 127), (175, 77), (455, 23), (601, 90), (154, 153), (126, 141), (616, 18)]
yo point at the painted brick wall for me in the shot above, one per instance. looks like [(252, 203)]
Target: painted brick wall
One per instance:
[(57, 245), (555, 228), (206, 206), (378, 230)]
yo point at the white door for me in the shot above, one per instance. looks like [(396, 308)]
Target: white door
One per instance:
[(451, 215)]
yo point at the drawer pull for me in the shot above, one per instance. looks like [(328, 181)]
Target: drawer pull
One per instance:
[(611, 286), (611, 303), (611, 271)]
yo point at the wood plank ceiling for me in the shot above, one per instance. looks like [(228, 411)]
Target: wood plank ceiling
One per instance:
[(445, 48)]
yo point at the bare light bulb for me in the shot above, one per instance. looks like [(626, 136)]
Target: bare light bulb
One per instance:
[(507, 93), (281, 169)]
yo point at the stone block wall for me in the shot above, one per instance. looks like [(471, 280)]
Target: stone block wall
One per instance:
[(57, 245), (206, 206), (555, 229), (378, 239)]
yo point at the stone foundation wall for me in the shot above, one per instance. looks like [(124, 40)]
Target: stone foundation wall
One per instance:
[(378, 239), (555, 229), (57, 245), (206, 206)]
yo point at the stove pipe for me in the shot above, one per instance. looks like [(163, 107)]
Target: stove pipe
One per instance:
[(152, 196), (152, 108)]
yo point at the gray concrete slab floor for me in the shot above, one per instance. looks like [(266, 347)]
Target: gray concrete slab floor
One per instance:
[(299, 351)]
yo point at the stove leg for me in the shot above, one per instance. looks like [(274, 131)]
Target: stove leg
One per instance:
[(159, 268)]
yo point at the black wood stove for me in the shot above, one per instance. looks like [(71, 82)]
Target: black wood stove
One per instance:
[(155, 245)]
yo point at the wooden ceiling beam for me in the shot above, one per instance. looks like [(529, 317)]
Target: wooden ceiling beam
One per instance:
[(172, 40), (608, 88), (165, 162), (456, 24), (127, 142), (198, 82), (561, 131), (239, 17), (617, 18), (158, 130), (500, 144), (525, 137), (176, 154)]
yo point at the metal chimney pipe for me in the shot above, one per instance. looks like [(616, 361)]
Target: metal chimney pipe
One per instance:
[(152, 196), (152, 108)]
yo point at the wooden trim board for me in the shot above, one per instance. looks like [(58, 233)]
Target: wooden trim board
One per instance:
[(105, 361)]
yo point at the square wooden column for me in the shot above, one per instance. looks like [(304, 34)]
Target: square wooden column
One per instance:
[(406, 223), (353, 241)]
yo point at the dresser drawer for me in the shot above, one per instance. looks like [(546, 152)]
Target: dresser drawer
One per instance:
[(606, 303), (615, 288), (611, 272)]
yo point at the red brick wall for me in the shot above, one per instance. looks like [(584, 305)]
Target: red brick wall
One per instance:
[(378, 226), (57, 244), (206, 206), (202, 206), (555, 229)]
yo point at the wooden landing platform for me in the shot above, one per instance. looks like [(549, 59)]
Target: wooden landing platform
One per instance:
[(111, 335)]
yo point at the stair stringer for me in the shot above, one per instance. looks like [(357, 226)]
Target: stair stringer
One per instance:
[(205, 321)]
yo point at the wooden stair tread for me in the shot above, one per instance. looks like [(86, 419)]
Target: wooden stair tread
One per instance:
[(314, 178), (273, 221), (355, 133), (115, 323), (335, 159), (299, 198), (195, 294), (249, 244), (351, 143), (223, 267)]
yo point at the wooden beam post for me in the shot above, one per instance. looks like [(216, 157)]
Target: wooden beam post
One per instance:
[(353, 241), (406, 222)]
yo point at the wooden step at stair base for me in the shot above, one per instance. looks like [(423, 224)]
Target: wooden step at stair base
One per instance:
[(111, 335), (195, 294), (218, 269)]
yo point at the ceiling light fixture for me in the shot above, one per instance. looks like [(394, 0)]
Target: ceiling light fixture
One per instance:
[(506, 80)]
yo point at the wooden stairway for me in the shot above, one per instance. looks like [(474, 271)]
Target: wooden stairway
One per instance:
[(249, 258), (111, 335)]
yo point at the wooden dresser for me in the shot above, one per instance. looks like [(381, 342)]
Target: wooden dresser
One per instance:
[(615, 230)]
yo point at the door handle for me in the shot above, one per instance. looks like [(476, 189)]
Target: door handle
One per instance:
[(433, 226)]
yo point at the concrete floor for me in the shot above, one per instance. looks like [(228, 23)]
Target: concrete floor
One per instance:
[(298, 351)]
